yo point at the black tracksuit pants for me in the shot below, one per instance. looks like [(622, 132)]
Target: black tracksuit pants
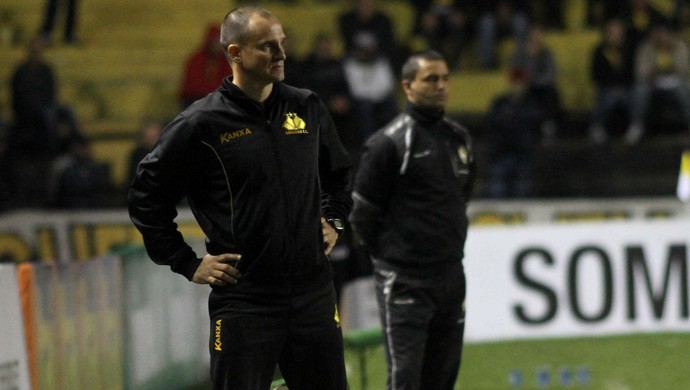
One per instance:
[(423, 320), (251, 333)]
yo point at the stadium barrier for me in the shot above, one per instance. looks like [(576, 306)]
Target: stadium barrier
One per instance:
[(564, 280), (574, 280), (535, 270), (72, 316), (166, 325), (116, 322), (66, 236), (14, 370)]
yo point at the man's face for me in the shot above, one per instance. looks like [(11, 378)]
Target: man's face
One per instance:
[(263, 55), (429, 89)]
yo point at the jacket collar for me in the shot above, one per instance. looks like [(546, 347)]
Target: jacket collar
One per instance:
[(423, 116), (238, 96)]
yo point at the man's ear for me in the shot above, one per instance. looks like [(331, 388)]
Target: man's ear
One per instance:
[(233, 51), (405, 85)]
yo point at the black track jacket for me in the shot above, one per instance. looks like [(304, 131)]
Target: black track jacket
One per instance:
[(257, 177), (411, 191)]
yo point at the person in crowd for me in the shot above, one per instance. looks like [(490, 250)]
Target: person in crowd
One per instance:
[(611, 71), (448, 27), (371, 82), (598, 12), (410, 197), (366, 21), (204, 69), (42, 125), (662, 66), (641, 16), (323, 73), (148, 136), (78, 181), (501, 19), (267, 179), (419, 8), (539, 64), (514, 122), (52, 9)]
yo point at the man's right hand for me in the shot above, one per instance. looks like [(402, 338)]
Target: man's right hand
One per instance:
[(216, 270)]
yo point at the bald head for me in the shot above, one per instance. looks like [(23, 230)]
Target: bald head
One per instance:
[(236, 27)]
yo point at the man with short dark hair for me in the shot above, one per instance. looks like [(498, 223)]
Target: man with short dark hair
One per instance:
[(411, 192), (268, 182)]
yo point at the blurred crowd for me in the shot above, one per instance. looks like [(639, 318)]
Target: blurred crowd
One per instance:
[(639, 69)]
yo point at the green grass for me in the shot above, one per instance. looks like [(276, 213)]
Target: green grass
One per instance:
[(641, 361)]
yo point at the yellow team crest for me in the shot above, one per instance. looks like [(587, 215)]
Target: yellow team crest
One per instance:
[(294, 124), (336, 317)]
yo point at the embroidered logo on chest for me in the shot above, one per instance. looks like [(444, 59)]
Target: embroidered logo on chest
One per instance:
[(294, 124)]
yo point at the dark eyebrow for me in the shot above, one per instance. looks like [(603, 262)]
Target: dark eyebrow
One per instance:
[(271, 40), (435, 76)]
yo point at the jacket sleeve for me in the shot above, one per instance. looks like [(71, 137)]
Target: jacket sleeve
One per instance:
[(160, 183), (374, 183), (335, 169)]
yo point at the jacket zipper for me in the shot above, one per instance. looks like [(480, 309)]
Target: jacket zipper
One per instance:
[(283, 185)]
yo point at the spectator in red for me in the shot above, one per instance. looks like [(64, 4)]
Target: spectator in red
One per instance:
[(205, 69)]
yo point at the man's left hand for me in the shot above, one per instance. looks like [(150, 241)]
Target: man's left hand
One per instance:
[(330, 236)]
